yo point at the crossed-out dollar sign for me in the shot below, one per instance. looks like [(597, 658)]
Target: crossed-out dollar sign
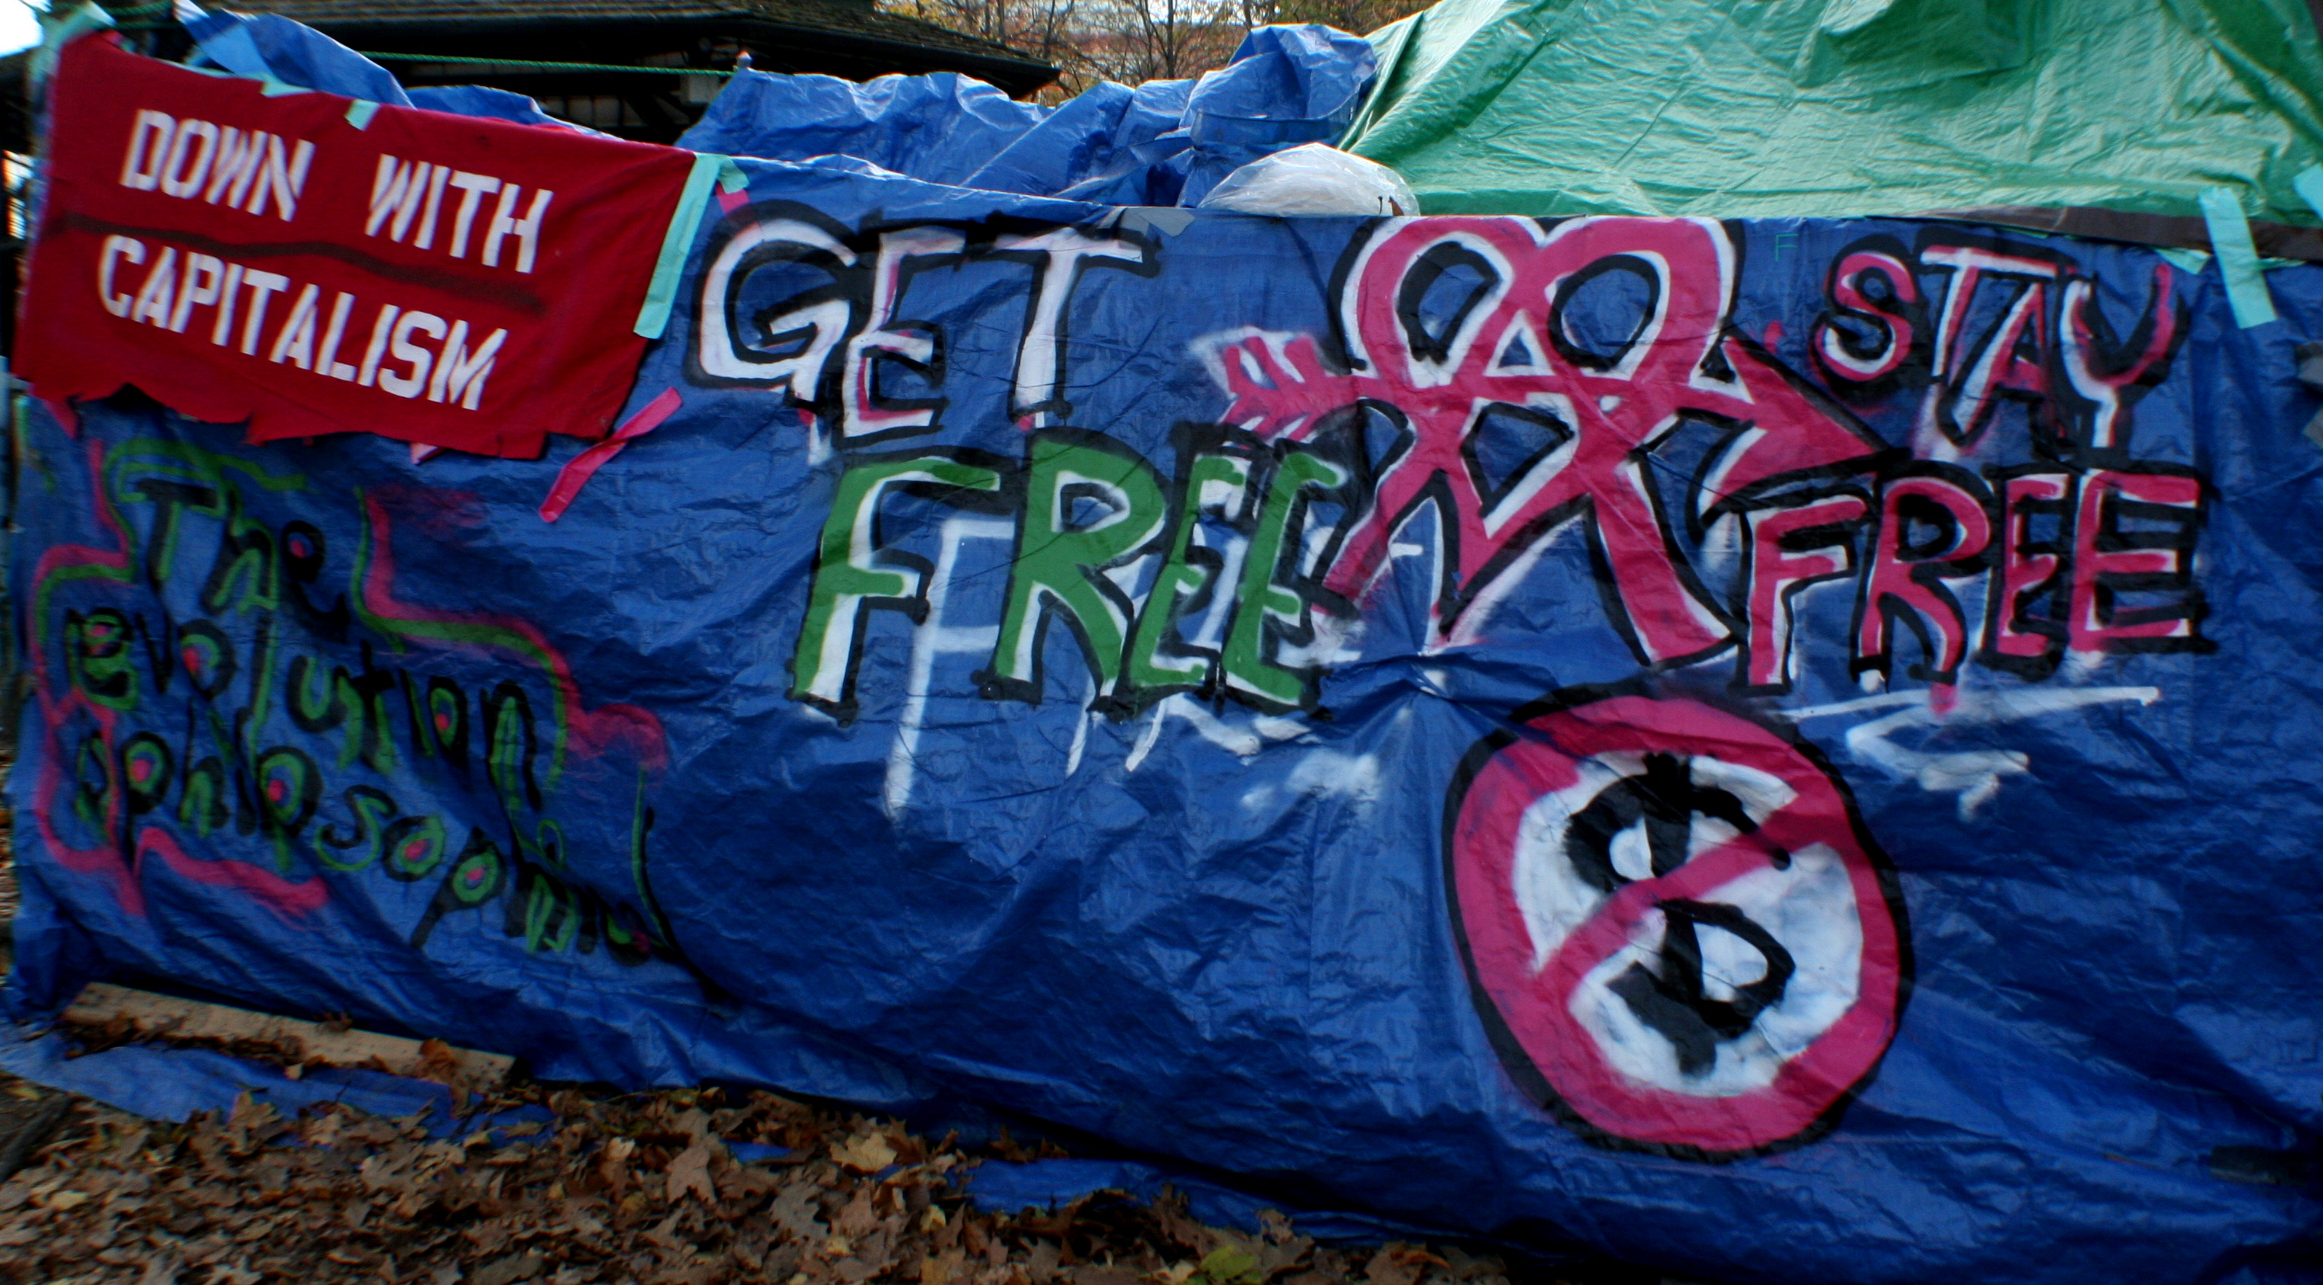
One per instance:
[(1663, 800), (1619, 864)]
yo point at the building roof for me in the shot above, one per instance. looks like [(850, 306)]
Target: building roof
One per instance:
[(470, 41)]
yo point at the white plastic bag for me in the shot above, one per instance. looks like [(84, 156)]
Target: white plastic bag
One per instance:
[(1312, 179)]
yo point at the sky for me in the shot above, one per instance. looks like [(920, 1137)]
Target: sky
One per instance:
[(18, 28)]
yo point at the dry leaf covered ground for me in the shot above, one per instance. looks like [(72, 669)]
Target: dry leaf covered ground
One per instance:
[(635, 1188)]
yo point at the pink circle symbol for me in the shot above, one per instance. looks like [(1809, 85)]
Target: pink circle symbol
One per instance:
[(1680, 935)]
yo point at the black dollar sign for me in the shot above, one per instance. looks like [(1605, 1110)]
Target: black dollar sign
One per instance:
[(1673, 1002)]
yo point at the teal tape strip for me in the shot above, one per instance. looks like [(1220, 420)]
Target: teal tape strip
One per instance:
[(732, 179), (2246, 285), (57, 33), (360, 112), (2310, 188), (653, 318), (2191, 262)]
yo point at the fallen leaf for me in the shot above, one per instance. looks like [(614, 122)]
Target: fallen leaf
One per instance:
[(689, 1170), (1233, 1263), (944, 1268), (1398, 1264), (794, 1211), (507, 1271), (865, 1153), (437, 1062), (325, 1130), (858, 1217), (1278, 1257)]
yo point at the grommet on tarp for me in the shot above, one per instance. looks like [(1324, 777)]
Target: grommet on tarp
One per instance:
[(2246, 284), (709, 168), (582, 467)]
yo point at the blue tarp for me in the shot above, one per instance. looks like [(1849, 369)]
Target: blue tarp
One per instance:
[(1166, 142), (174, 1084), (1780, 750)]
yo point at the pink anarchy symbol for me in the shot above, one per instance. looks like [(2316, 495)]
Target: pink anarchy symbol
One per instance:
[(1509, 348)]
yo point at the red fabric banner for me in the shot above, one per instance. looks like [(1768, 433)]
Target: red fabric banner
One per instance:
[(278, 258)]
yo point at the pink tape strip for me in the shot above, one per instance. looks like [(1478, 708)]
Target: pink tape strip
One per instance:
[(582, 467), (67, 416)]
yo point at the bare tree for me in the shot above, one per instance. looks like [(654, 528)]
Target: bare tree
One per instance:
[(1047, 29), (1138, 40), (1135, 40)]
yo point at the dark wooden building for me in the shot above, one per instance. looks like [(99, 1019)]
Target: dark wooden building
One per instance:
[(846, 38), (457, 42)]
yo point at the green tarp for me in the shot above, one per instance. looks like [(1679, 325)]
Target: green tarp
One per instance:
[(1758, 108)]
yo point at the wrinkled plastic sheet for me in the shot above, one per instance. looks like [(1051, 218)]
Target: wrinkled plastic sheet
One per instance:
[(1817, 108), (175, 1084), (1165, 142), (1001, 1187), (271, 47), (1572, 862)]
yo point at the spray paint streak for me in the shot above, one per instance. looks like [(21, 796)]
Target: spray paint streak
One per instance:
[(271, 890), (591, 732), (65, 564), (59, 565)]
